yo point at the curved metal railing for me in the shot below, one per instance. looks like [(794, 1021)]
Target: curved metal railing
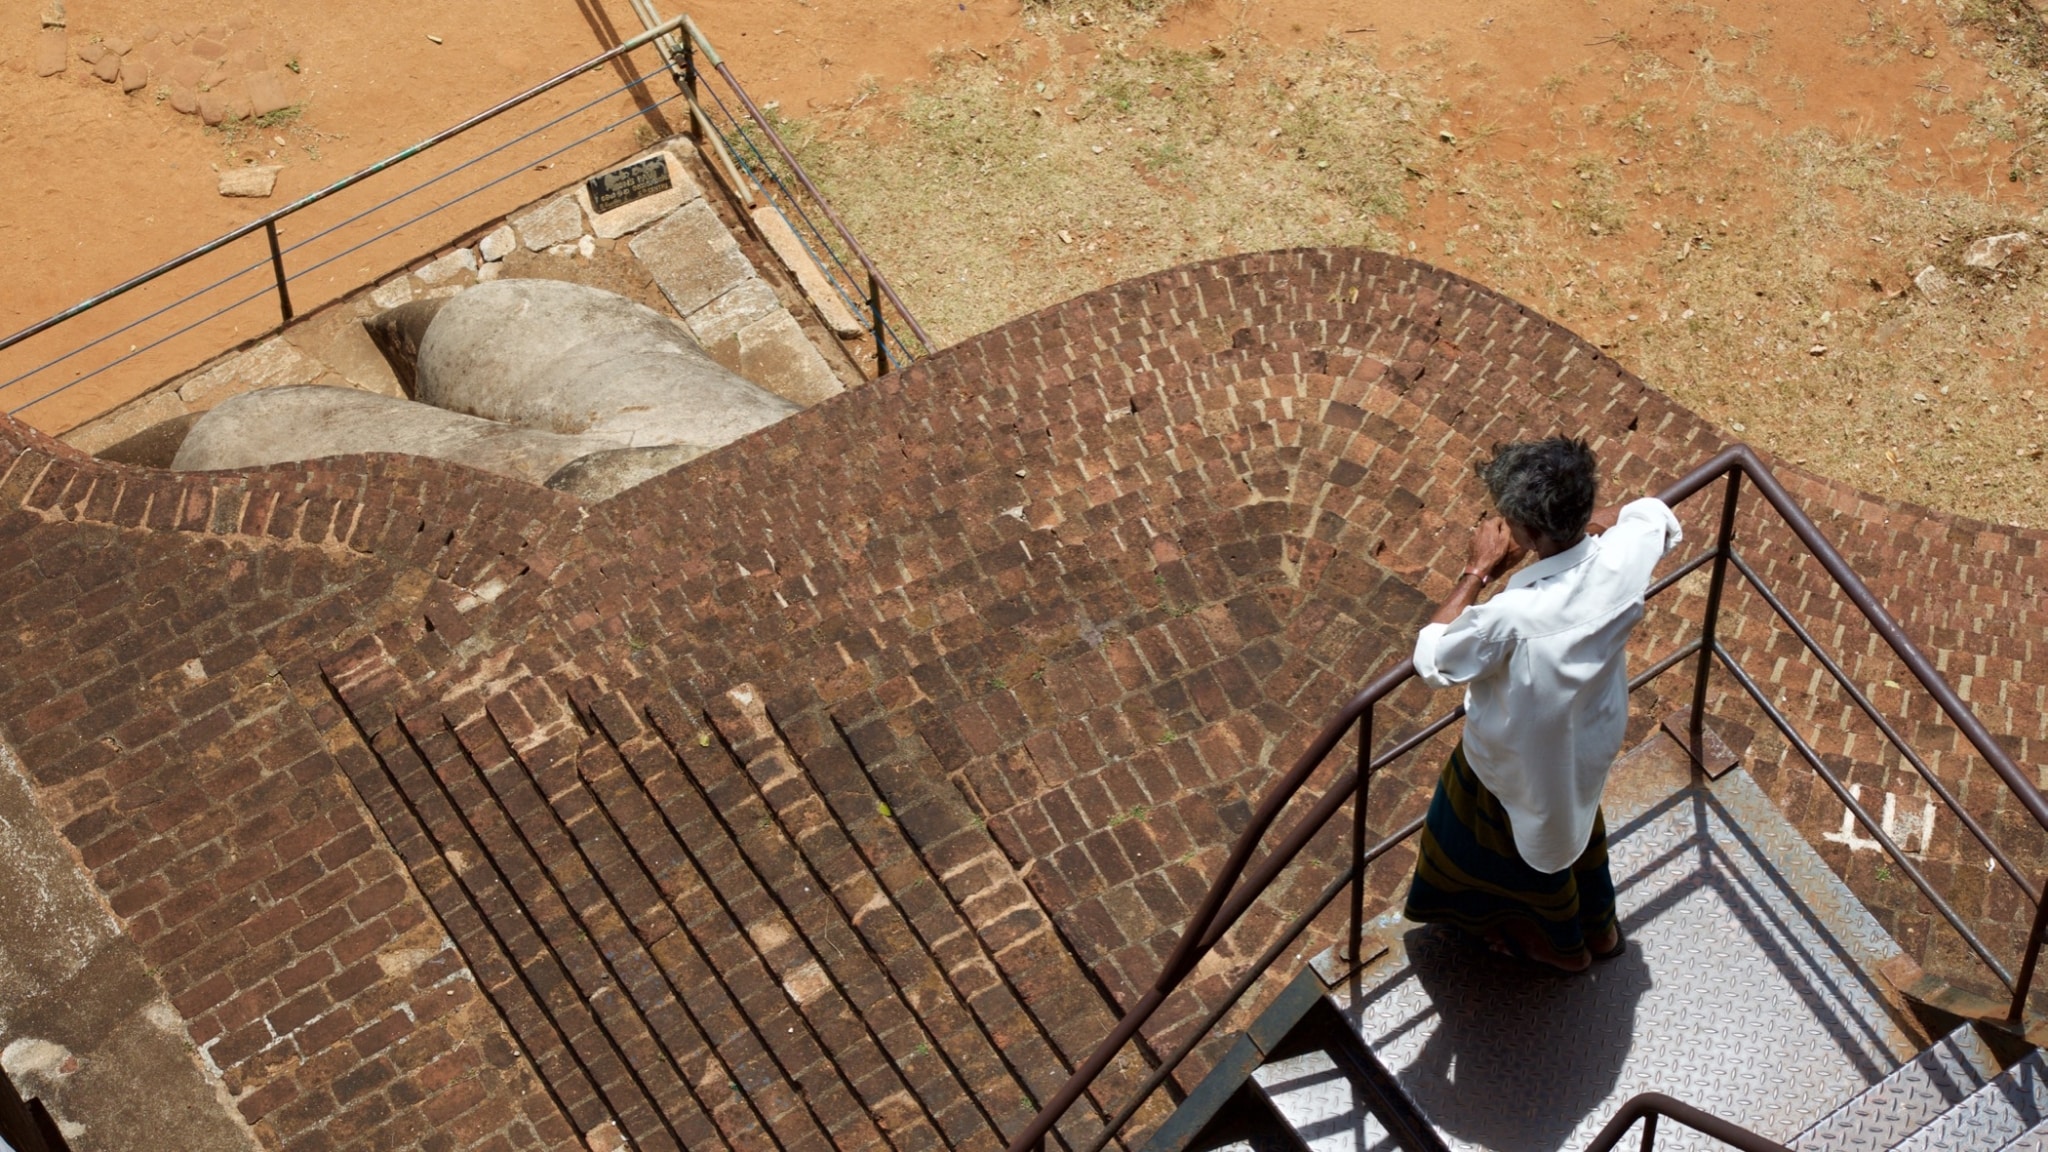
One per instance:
[(1649, 1106), (1235, 889)]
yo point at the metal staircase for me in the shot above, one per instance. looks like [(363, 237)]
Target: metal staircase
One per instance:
[(1750, 993), (1745, 992)]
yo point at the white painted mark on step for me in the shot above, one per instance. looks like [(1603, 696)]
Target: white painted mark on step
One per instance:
[(1912, 832)]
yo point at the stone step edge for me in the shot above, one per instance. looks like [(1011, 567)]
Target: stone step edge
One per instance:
[(1059, 990), (487, 950), (994, 943), (787, 777), (496, 968), (780, 1028), (921, 817)]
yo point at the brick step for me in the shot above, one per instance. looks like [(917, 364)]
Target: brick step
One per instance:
[(910, 978), (956, 895), (618, 1030), (957, 934), (909, 1068), (704, 937), (640, 1002)]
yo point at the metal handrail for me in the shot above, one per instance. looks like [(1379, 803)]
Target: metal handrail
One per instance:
[(1891, 734), (869, 305), (269, 220), (677, 55), (1229, 896), (1648, 1106), (880, 281), (682, 53)]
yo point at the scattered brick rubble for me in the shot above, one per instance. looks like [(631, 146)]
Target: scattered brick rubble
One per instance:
[(838, 788), (218, 72)]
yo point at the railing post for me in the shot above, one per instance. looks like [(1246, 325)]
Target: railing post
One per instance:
[(2025, 982), (881, 333), (1696, 733), (690, 83), (1358, 811), (1649, 1132), (284, 296)]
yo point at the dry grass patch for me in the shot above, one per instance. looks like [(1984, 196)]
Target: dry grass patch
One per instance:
[(1760, 274), (991, 193)]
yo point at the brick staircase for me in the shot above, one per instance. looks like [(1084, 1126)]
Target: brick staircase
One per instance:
[(709, 930)]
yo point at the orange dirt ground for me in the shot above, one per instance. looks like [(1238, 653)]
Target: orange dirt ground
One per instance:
[(99, 185), (102, 185)]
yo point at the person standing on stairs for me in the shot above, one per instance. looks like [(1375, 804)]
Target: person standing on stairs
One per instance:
[(1514, 847)]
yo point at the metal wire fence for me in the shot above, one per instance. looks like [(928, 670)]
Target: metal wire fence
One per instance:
[(120, 343), (767, 174)]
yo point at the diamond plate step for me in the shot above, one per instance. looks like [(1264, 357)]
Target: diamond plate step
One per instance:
[(1324, 1105), (1902, 1103), (2035, 1140), (1991, 1118), (1746, 990)]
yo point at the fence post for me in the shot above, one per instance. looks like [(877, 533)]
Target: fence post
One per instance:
[(1696, 734), (690, 82), (284, 296), (881, 333), (2024, 984), (1358, 812)]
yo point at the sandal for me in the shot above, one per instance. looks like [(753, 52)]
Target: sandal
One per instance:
[(1619, 946), (1509, 948)]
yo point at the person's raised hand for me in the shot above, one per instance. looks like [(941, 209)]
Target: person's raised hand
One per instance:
[(1493, 549)]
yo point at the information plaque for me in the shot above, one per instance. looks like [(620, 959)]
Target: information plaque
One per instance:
[(621, 186)]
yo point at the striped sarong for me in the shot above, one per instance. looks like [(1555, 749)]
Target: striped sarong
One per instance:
[(1468, 873)]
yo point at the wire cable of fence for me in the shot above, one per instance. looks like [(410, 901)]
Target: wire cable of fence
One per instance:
[(268, 222), (396, 228), (739, 130), (479, 158), (95, 342), (295, 246), (385, 235), (134, 352), (855, 304)]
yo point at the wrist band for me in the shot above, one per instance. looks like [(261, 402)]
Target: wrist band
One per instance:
[(1477, 572)]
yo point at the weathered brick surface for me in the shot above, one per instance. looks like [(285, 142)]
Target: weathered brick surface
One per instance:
[(157, 628), (1027, 630)]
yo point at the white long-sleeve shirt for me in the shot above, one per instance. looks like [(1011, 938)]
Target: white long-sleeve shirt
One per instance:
[(1545, 667)]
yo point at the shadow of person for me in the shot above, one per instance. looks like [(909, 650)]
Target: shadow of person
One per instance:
[(1518, 1058)]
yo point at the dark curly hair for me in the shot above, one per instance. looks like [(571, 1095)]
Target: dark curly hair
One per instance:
[(1547, 486)]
